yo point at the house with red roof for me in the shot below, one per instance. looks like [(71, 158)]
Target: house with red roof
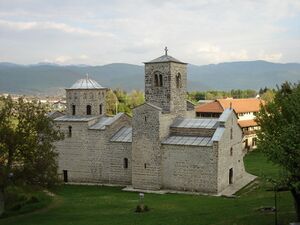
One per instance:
[(245, 109)]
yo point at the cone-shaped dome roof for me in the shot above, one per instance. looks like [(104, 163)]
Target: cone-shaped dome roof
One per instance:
[(86, 83)]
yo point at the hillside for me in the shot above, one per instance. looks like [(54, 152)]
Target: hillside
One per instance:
[(49, 78)]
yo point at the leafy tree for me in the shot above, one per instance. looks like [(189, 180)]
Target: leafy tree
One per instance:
[(27, 152), (279, 136), (268, 95), (215, 94), (121, 95), (136, 98), (111, 102)]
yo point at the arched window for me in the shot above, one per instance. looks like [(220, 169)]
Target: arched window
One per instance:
[(160, 80), (231, 151), (70, 131), (156, 82), (125, 164), (73, 110), (88, 110), (100, 109), (178, 80)]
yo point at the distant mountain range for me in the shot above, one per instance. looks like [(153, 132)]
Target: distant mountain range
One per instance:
[(51, 78)]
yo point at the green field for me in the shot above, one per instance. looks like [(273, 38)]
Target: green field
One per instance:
[(91, 205)]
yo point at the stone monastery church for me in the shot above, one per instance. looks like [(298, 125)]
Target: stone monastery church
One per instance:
[(161, 147)]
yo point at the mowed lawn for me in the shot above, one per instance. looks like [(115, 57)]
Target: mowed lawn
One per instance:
[(89, 205)]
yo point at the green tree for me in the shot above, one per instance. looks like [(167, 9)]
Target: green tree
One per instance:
[(121, 95), (268, 95), (136, 98), (279, 136), (111, 102), (27, 152)]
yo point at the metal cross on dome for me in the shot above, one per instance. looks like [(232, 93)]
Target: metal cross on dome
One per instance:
[(166, 50)]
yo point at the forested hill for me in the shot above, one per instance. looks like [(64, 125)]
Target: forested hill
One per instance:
[(224, 76)]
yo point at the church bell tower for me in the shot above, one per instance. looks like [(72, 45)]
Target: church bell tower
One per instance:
[(165, 83)]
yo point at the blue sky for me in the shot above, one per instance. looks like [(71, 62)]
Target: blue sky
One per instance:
[(133, 31)]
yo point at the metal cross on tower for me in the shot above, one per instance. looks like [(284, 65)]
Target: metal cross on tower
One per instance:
[(166, 50)]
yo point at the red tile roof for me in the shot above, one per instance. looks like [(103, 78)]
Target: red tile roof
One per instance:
[(213, 107), (247, 123), (241, 105)]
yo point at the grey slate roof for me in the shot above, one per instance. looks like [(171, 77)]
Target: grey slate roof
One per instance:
[(68, 118), (218, 134), (55, 114), (165, 58), (196, 123), (86, 83), (123, 135), (186, 140), (105, 121), (224, 116)]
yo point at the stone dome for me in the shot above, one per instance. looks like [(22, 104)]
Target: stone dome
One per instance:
[(86, 83)]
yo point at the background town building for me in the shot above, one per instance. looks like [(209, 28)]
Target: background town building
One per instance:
[(246, 110)]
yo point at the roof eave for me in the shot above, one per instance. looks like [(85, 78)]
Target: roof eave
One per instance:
[(166, 62), (103, 88)]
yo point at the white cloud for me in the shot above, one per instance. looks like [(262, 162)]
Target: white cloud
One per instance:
[(273, 57), (209, 53), (50, 25), (132, 31), (62, 59), (83, 57)]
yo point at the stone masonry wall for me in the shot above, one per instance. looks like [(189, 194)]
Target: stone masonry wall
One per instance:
[(178, 94), (168, 97), (100, 152), (87, 155), (189, 168), (226, 160), (118, 173), (192, 131), (73, 152), (146, 155), (82, 98), (166, 121)]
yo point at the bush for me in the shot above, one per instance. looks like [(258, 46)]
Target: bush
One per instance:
[(141, 208), (16, 207), (33, 199), (146, 209), (138, 209), (14, 196), (17, 197)]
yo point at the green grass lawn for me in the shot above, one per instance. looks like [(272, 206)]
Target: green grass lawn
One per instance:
[(91, 205)]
